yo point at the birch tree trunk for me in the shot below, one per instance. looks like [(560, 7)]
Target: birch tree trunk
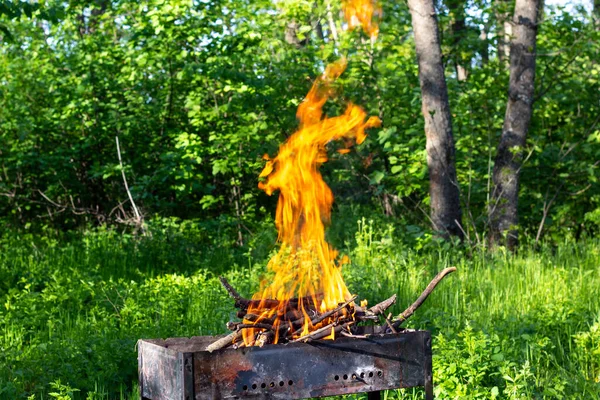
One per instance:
[(446, 213), (503, 211)]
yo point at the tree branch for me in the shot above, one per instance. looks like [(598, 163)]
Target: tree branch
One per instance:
[(406, 314)]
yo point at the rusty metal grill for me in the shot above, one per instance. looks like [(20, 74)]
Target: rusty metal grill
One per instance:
[(180, 369)]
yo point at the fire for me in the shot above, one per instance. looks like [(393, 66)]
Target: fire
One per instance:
[(361, 12), (306, 280)]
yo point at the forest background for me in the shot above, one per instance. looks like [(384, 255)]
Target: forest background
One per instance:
[(196, 93)]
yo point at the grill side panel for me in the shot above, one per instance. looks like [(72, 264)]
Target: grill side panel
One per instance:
[(160, 372), (322, 368)]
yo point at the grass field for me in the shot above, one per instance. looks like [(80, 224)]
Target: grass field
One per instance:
[(73, 306)]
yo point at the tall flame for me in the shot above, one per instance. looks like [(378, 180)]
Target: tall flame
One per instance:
[(304, 270), (361, 12)]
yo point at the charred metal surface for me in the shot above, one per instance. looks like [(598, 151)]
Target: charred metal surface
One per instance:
[(181, 369), (160, 373)]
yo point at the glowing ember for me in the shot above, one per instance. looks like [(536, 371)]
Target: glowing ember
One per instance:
[(306, 280)]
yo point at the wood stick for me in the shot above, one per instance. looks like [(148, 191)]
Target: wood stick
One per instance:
[(289, 316), (252, 317), (257, 326), (284, 329), (225, 341), (321, 317), (240, 302), (370, 314), (315, 334), (389, 323), (230, 290), (325, 331), (232, 326), (406, 314), (139, 219), (384, 305), (263, 338), (327, 314), (243, 304), (365, 315), (346, 334)]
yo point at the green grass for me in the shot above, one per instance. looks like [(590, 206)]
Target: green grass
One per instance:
[(73, 306)]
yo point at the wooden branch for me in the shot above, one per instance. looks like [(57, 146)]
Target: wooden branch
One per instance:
[(389, 323), (244, 304), (321, 317), (230, 290), (346, 334), (406, 314), (364, 315), (139, 219), (264, 338), (372, 313), (255, 326), (384, 305), (328, 314), (241, 302), (316, 334), (320, 333), (232, 326), (225, 341)]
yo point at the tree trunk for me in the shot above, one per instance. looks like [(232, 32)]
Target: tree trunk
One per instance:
[(503, 208), (504, 28), (484, 50), (459, 31), (596, 14), (443, 187)]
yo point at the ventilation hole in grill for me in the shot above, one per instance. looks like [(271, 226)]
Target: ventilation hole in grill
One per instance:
[(345, 376), (362, 374), (290, 383), (371, 374), (263, 385), (379, 374), (337, 377), (245, 387), (354, 376), (254, 386), (281, 383), (272, 384)]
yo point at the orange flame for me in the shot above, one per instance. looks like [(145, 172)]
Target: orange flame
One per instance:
[(361, 12), (304, 270)]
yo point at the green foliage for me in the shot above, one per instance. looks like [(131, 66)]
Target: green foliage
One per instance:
[(62, 392), (198, 91), (74, 305)]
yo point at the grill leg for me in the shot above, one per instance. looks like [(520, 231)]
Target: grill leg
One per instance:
[(429, 392), (428, 368), (374, 395)]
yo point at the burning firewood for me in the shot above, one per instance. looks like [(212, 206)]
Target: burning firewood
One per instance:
[(344, 317), (243, 304)]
